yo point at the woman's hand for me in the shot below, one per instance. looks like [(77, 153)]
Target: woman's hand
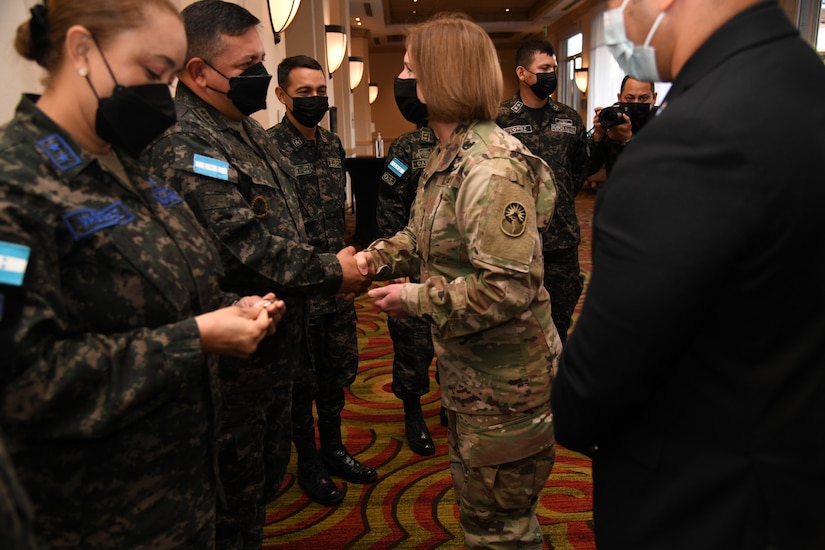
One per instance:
[(388, 299), (237, 330)]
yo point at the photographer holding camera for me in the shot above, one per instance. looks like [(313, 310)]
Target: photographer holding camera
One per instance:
[(614, 126)]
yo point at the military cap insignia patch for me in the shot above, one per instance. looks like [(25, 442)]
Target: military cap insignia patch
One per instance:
[(260, 206), (13, 261), (512, 221), (59, 152)]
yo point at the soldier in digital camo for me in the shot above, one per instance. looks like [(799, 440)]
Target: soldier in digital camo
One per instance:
[(556, 133), (474, 232), (412, 342), (217, 157), (317, 159), (107, 289)]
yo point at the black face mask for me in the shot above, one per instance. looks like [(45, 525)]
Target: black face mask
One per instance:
[(309, 111), (248, 90), (545, 84), (133, 116), (408, 103)]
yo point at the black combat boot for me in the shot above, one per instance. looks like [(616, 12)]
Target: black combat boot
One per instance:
[(418, 436), (337, 460), (312, 476)]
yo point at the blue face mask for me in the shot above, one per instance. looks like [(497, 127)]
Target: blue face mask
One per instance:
[(637, 61)]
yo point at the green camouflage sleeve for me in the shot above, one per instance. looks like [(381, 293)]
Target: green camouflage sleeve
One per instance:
[(495, 217)]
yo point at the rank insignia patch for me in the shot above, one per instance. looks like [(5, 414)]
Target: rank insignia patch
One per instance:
[(59, 152), (512, 221)]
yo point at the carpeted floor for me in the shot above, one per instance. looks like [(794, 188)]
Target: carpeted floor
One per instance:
[(411, 505)]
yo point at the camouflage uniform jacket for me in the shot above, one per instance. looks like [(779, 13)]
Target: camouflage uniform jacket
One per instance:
[(561, 141), (108, 402), (253, 212), (317, 168), (405, 161), (475, 226)]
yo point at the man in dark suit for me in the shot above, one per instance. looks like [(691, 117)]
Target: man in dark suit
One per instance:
[(695, 376)]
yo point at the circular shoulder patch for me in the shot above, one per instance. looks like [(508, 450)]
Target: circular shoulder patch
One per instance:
[(512, 219), (260, 206)]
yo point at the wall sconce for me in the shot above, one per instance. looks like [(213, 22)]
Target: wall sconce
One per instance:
[(356, 71), (336, 37), (581, 80), (373, 92), (281, 13)]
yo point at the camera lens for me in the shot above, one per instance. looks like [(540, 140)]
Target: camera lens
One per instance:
[(610, 116)]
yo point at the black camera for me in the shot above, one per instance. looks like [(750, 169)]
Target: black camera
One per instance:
[(637, 112)]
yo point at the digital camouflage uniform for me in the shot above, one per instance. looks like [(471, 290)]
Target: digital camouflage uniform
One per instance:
[(412, 342), (475, 225), (318, 169), (109, 403), (560, 139), (16, 521), (240, 195)]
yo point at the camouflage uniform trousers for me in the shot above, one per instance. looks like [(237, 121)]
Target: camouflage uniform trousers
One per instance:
[(564, 281), (244, 426), (333, 344), (278, 440), (497, 503), (412, 344)]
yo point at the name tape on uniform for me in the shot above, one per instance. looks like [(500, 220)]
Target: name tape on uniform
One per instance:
[(207, 166), (13, 261)]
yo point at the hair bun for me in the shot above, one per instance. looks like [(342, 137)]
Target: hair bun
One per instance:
[(39, 32)]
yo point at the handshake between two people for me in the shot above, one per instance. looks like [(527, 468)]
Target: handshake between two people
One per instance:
[(359, 273)]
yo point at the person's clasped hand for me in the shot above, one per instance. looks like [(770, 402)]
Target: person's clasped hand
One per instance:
[(354, 281), (388, 299)]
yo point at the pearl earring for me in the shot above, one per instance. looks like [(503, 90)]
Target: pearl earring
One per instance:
[(82, 71)]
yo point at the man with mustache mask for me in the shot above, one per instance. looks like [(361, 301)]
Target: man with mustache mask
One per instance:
[(555, 132), (219, 159), (316, 164), (412, 341)]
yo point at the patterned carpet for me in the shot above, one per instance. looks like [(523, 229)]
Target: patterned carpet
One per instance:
[(411, 505)]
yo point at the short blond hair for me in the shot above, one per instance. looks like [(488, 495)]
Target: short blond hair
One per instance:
[(457, 65)]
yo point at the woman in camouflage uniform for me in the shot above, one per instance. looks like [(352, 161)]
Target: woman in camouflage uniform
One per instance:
[(475, 228), (107, 384)]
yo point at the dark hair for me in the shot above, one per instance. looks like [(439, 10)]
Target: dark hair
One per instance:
[(41, 38), (285, 67), (207, 21), (627, 77), (527, 51)]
